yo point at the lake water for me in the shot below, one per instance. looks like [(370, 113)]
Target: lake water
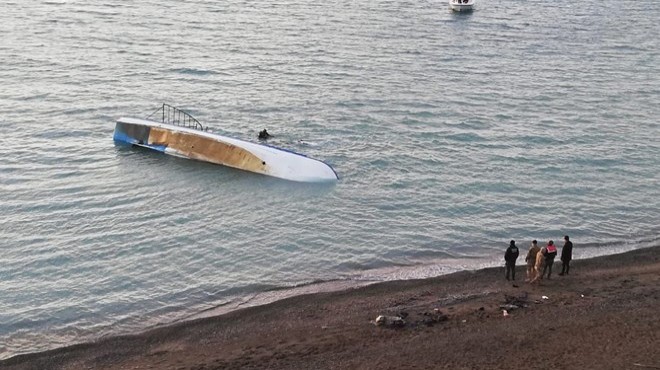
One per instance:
[(451, 133)]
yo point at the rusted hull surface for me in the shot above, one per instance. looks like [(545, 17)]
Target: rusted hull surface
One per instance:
[(206, 149), (222, 150)]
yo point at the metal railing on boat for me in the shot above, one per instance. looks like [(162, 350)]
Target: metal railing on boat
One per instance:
[(174, 116)]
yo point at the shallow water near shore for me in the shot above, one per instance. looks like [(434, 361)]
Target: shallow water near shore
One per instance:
[(451, 134)]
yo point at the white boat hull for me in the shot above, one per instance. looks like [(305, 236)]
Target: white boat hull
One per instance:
[(205, 146), (461, 6)]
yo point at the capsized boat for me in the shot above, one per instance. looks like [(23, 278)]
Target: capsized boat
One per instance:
[(461, 5), (172, 131)]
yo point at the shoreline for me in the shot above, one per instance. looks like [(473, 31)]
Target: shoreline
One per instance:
[(312, 329), (381, 275), (431, 269)]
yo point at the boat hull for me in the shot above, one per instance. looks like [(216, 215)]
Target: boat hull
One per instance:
[(461, 7), (209, 147)]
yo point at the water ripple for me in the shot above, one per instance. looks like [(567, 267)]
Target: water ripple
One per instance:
[(452, 134)]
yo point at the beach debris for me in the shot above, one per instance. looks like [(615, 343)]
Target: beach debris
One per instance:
[(390, 321), (646, 366), (545, 297), (582, 295), (432, 318), (514, 302), (505, 313)]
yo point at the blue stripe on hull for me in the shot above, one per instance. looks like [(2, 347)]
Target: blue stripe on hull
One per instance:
[(160, 148), (126, 133), (123, 137)]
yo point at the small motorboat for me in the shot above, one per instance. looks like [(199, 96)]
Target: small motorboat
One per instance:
[(175, 132), (461, 5)]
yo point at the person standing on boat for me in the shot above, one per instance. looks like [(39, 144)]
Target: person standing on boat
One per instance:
[(510, 257), (531, 260), (566, 256), (550, 254)]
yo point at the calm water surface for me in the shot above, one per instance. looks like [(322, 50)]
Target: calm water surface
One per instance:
[(452, 134)]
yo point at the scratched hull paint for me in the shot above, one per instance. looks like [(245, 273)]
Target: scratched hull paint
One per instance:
[(205, 146)]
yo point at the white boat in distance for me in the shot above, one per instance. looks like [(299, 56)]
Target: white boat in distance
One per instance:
[(175, 132), (461, 5)]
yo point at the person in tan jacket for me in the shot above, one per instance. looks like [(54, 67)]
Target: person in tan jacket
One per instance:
[(531, 260), (538, 266)]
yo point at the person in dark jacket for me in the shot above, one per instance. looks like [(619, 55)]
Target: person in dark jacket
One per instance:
[(264, 135), (510, 257), (566, 256), (550, 254)]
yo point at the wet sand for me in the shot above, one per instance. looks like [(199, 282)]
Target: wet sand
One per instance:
[(605, 315)]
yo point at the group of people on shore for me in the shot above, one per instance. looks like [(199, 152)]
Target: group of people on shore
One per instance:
[(539, 260)]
